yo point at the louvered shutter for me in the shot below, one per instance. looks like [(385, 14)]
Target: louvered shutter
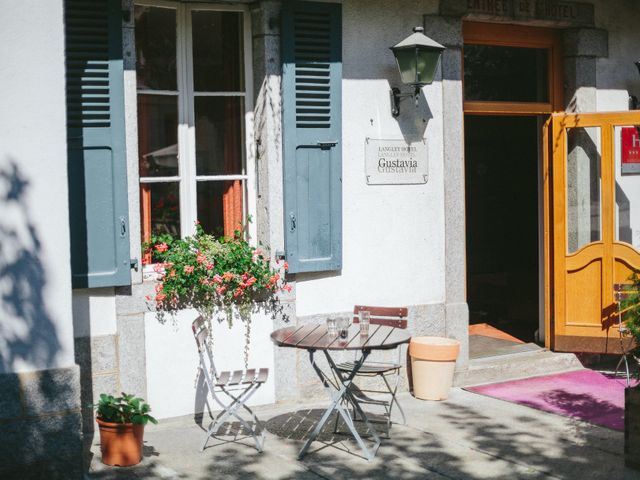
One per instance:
[(98, 207), (311, 91)]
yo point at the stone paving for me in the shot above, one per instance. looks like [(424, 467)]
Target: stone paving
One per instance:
[(468, 436)]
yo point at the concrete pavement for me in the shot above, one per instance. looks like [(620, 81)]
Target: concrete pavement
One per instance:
[(469, 436)]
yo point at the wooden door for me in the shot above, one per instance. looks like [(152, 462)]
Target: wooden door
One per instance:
[(595, 218)]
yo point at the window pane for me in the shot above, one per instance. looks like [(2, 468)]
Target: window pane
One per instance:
[(155, 48), (220, 206), (217, 51), (218, 135), (627, 189), (493, 73), (158, 135), (583, 187), (160, 205)]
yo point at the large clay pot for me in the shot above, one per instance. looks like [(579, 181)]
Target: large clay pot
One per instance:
[(433, 362), (121, 443), (632, 427)]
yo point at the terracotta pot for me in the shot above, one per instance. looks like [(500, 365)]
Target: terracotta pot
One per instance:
[(433, 362), (120, 443)]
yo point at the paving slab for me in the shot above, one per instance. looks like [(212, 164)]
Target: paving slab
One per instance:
[(468, 436)]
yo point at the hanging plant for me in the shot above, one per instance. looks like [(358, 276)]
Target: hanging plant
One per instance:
[(213, 275)]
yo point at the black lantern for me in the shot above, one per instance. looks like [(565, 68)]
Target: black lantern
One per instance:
[(417, 57)]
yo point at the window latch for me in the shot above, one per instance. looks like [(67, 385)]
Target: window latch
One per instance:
[(325, 144), (292, 222), (134, 264)]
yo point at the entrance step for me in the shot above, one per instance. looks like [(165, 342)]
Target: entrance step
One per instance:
[(514, 366)]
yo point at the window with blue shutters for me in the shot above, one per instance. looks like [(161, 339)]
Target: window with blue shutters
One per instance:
[(98, 206), (311, 92)]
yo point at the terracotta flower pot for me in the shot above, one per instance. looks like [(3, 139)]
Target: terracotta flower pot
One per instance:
[(121, 443), (433, 362)]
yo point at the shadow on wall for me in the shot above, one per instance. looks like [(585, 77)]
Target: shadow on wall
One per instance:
[(37, 441), (31, 339)]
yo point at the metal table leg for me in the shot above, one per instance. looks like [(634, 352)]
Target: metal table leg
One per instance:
[(338, 393)]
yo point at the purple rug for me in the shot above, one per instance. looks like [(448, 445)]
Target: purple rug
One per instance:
[(583, 394)]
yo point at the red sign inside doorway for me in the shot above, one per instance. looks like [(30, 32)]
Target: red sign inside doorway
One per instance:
[(630, 149), (630, 145)]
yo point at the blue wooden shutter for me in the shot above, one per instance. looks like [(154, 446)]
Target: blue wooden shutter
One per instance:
[(98, 206), (312, 132)]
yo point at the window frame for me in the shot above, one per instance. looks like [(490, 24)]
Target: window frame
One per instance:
[(187, 178)]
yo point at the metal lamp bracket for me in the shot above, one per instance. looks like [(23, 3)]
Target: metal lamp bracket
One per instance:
[(396, 97)]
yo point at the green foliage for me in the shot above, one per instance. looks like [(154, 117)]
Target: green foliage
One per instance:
[(124, 409), (206, 273), (631, 308)]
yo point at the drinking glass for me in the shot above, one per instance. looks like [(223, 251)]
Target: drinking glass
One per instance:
[(332, 327), (343, 327), (365, 318)]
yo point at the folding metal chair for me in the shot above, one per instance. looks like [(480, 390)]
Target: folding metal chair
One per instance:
[(392, 317), (622, 291), (237, 385)]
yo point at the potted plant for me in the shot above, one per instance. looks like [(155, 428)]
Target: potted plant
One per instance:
[(215, 276), (121, 421), (631, 308)]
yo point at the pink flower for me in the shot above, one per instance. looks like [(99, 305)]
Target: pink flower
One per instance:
[(159, 287), (204, 281), (227, 276), (162, 247), (217, 278), (172, 273), (221, 290), (286, 266), (201, 258), (209, 266), (245, 275), (257, 252), (274, 278), (251, 281), (160, 297), (197, 222), (238, 292), (158, 267), (287, 288), (188, 269), (147, 297)]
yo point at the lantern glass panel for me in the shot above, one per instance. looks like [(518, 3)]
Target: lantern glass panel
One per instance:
[(406, 59), (427, 65)]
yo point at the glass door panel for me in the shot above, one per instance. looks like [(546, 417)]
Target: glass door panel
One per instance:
[(627, 184), (583, 195)]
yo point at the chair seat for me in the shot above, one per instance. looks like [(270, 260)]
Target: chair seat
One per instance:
[(369, 368), (242, 377)]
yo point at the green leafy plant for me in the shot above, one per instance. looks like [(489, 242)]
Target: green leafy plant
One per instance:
[(208, 273), (631, 308), (124, 409)]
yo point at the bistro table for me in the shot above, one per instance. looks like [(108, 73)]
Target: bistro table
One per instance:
[(314, 337)]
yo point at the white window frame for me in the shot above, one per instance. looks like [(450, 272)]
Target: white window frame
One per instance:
[(187, 178)]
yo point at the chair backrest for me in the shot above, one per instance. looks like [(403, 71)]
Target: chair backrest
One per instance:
[(389, 316), (201, 334)]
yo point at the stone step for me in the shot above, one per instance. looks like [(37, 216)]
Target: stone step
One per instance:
[(514, 366)]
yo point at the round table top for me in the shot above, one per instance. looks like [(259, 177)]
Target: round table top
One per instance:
[(315, 337)]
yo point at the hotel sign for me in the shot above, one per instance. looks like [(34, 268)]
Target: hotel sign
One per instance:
[(395, 162), (630, 149), (557, 12)]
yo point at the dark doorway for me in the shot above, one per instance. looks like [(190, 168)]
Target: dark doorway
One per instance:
[(502, 220)]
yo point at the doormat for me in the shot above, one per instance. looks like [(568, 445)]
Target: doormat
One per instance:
[(583, 394)]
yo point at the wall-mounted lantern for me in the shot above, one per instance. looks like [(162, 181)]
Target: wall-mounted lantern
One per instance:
[(417, 57)]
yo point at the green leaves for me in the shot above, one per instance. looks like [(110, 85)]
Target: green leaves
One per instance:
[(631, 308), (125, 409)]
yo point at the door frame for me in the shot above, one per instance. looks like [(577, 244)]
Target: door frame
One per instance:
[(485, 33)]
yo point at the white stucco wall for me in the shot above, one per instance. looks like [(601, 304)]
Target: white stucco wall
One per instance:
[(393, 235), (36, 330), (94, 312)]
